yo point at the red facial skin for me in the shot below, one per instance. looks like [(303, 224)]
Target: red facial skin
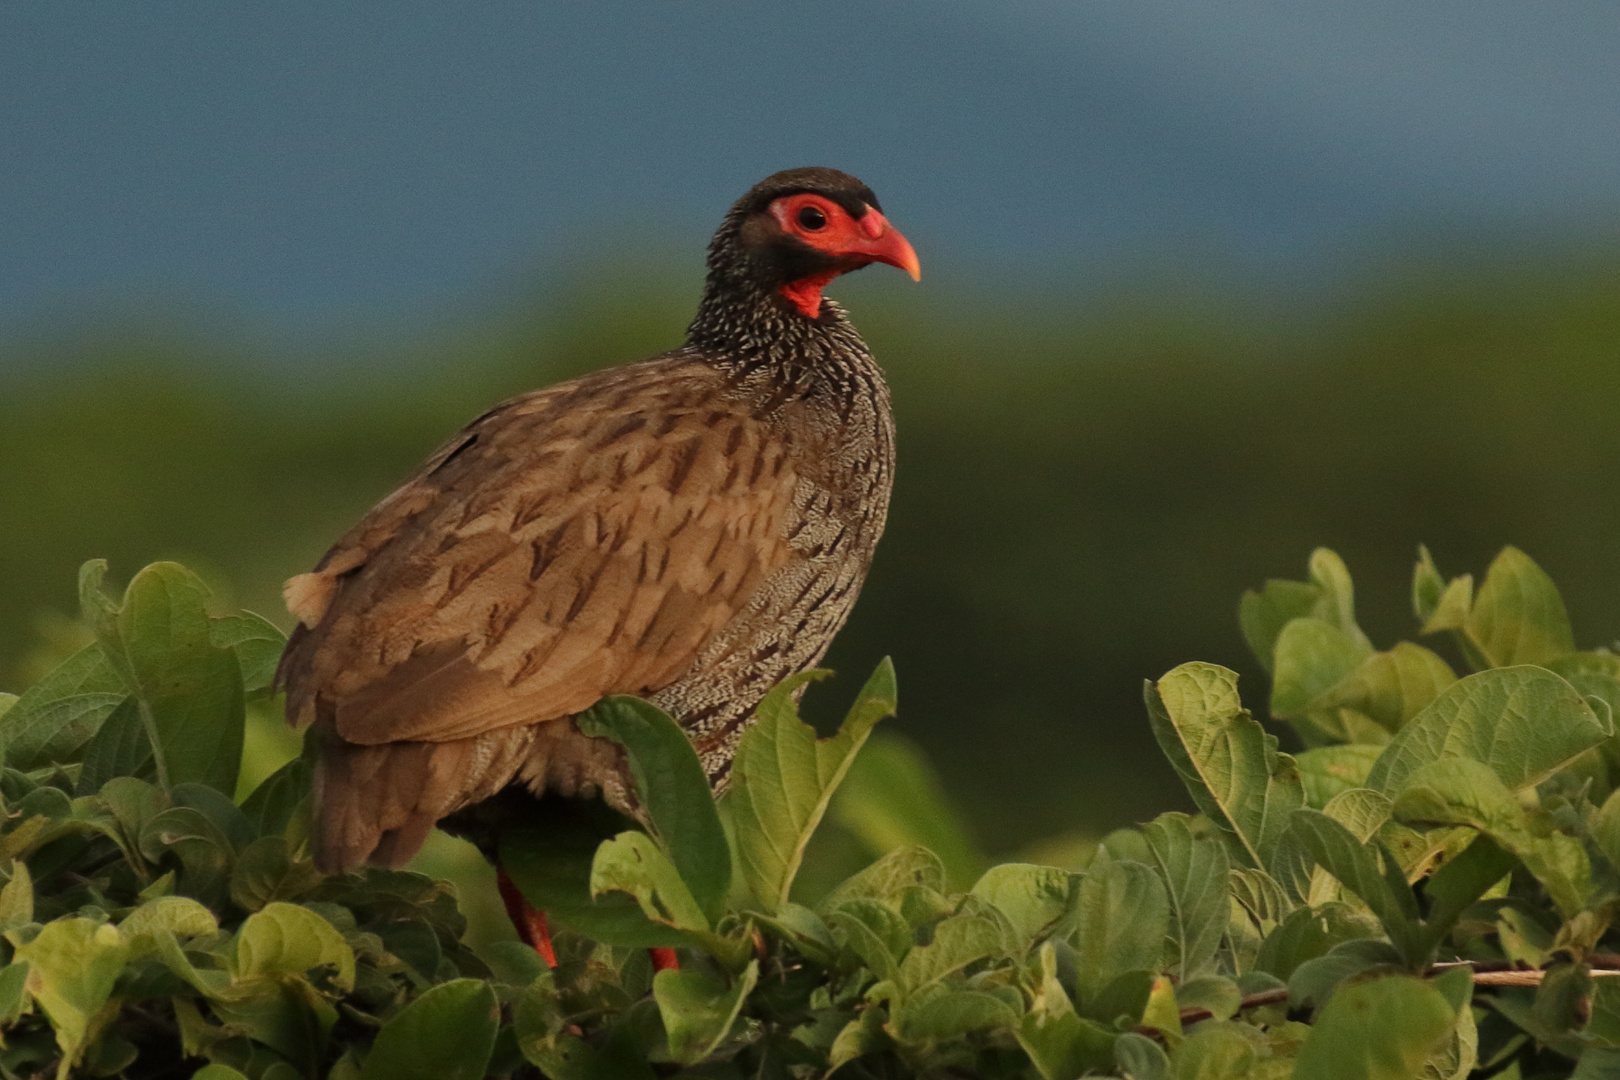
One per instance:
[(855, 242)]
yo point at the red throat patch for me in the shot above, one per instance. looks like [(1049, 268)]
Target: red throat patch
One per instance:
[(805, 294)]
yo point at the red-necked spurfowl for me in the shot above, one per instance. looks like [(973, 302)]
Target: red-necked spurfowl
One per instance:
[(690, 529)]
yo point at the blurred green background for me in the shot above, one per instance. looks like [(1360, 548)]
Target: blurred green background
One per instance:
[(1084, 489)]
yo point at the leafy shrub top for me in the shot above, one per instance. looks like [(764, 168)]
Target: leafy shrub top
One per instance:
[(1425, 890)]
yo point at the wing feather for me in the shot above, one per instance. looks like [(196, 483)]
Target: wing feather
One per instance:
[(583, 541)]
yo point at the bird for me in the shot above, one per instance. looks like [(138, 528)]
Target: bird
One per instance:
[(691, 529)]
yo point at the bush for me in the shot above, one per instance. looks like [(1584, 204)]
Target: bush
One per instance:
[(1425, 890)]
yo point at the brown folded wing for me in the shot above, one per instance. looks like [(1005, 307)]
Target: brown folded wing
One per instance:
[(582, 541)]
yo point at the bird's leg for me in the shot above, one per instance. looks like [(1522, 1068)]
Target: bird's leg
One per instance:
[(529, 920), (531, 926)]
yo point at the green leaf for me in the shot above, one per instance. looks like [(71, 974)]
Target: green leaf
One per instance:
[(1140, 1058), (178, 915), (783, 779), (564, 1056), (17, 898), (1390, 687), (1194, 869), (954, 1014), (204, 851), (256, 643), (1033, 898), (118, 748), (1216, 993), (1263, 614), (13, 993), (1604, 1024), (1463, 792), (284, 1014), (1357, 867), (1379, 1030), (1560, 1001), (217, 1072), (446, 1034), (633, 863), (1313, 657), (958, 941), (189, 690), (892, 798), (1596, 676), (1122, 918), (553, 866), (542, 1034), (1427, 586), (1314, 980), (1518, 616), (275, 801), (861, 1036), (1124, 1002), (54, 719), (1259, 904), (220, 811), (1335, 601), (1524, 722), (874, 932), (1361, 810), (1217, 1051), (285, 939), (72, 965), (1605, 829), (1597, 1063), (130, 804), (1061, 1044), (266, 871), (1308, 933), (1230, 765), (674, 791), (1325, 771), (804, 930), (699, 1011), (887, 879)]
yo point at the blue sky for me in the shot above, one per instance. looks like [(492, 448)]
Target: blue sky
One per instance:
[(315, 162)]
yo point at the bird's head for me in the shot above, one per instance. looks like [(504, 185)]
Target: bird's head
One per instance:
[(798, 229)]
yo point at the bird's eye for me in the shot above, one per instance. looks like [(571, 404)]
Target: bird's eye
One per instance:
[(811, 218)]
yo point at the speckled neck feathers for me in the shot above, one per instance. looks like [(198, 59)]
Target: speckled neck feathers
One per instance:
[(744, 324)]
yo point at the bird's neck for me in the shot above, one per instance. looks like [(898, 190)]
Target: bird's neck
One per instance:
[(753, 332)]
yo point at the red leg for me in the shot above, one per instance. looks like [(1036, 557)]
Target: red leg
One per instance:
[(529, 920), (530, 923)]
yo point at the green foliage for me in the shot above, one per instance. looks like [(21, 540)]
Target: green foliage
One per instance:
[(152, 926), (1321, 916), (784, 779)]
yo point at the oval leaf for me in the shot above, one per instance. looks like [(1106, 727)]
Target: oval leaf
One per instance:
[(1122, 919), (673, 789), (1377, 1030), (699, 1010), (783, 779), (446, 1034), (1518, 616), (1524, 722), (1229, 763)]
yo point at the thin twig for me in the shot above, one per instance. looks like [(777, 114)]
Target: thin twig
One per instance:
[(1486, 973)]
